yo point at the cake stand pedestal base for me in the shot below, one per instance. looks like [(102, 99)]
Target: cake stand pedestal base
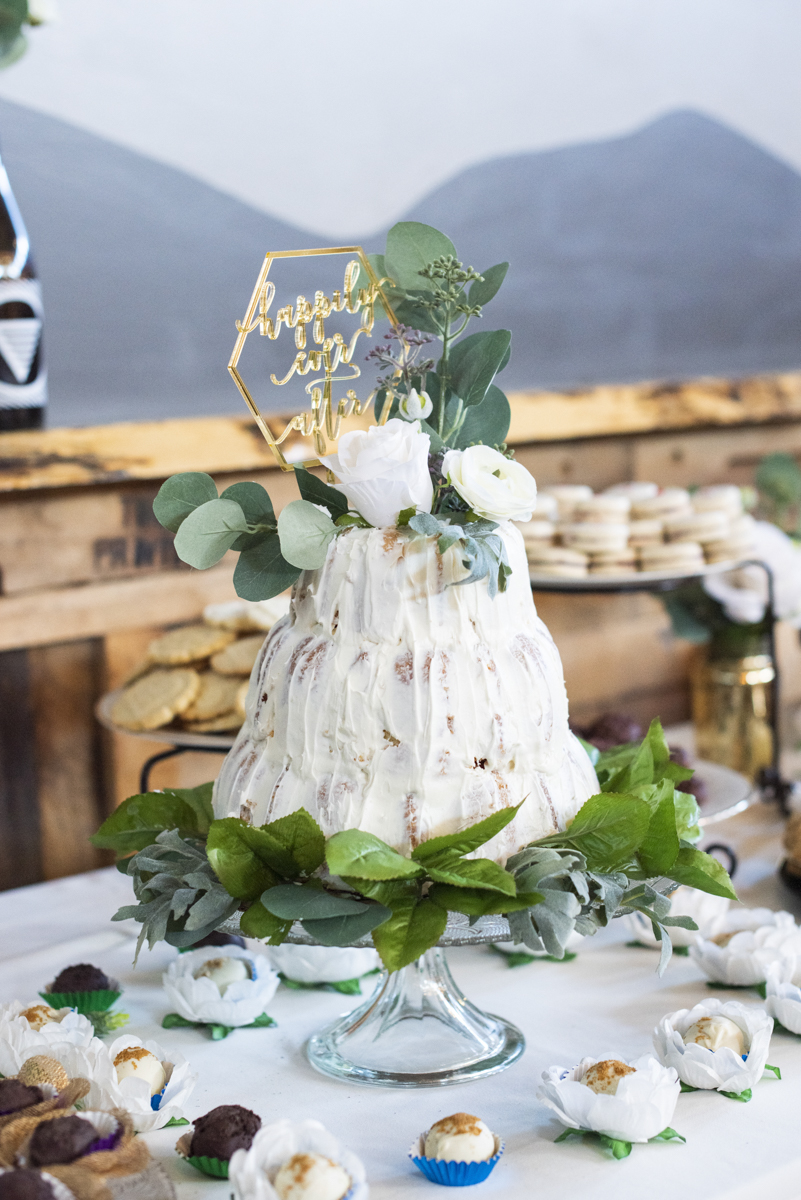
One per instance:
[(416, 1030)]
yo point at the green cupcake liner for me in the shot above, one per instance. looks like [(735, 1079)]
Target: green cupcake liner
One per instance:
[(217, 1167), (84, 1002)]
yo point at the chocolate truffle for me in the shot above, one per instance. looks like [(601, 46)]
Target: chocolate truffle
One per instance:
[(215, 938), (223, 1130), (82, 978), (15, 1095), (25, 1185), (61, 1140)]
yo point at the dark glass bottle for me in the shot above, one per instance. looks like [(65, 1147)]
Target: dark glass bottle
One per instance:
[(23, 379)]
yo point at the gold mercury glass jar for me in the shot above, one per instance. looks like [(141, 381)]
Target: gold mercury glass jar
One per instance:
[(732, 703)]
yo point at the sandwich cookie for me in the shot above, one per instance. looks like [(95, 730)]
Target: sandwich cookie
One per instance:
[(710, 526), (679, 558), (666, 503), (559, 561)]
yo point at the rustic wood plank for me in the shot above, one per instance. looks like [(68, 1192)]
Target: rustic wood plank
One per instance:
[(65, 681), (66, 614), (20, 856), (155, 449)]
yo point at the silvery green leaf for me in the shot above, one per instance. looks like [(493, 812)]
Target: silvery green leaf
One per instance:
[(428, 526), (182, 899), (523, 931), (180, 495), (555, 920), (214, 907), (305, 534), (208, 532)]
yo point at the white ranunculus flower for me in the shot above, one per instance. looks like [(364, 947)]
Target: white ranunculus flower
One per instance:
[(707, 911), (134, 1094), (383, 470), (760, 938), (783, 1001), (640, 1109), (723, 1070), (322, 964), (200, 999), (495, 487), (416, 406), (252, 1172)]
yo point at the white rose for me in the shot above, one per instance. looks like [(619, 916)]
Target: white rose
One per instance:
[(200, 999), (642, 1106), (383, 471), (783, 1001), (723, 1070), (759, 939), (416, 406), (495, 487)]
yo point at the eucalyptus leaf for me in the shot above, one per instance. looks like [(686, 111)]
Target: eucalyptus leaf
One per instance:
[(180, 495), (344, 930), (305, 534), (487, 422), (207, 533), (410, 247), (474, 363), (291, 902), (316, 492), (364, 856), (262, 571), (483, 290)]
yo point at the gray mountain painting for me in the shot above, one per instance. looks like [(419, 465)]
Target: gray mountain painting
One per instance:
[(669, 253)]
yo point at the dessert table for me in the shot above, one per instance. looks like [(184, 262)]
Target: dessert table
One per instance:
[(604, 1002)]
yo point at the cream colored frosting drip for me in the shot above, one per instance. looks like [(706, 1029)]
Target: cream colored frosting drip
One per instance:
[(389, 702)]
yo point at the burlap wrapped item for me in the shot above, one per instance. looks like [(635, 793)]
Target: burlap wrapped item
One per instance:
[(128, 1157), (62, 1104)]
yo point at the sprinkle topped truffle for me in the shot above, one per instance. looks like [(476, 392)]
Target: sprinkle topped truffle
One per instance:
[(225, 1129), (83, 977), (604, 1077), (311, 1177), (715, 1033), (224, 971), (38, 1015), (16, 1095), (460, 1138), (141, 1064), (60, 1141)]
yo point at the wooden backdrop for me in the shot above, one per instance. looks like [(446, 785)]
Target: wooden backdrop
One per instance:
[(89, 577)]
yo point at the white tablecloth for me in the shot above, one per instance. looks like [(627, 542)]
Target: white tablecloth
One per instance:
[(605, 1002)]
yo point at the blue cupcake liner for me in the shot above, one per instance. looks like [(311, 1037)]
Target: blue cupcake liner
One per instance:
[(453, 1174), (155, 1101)]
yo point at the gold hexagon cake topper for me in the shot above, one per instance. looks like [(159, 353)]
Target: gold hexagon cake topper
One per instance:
[(326, 355)]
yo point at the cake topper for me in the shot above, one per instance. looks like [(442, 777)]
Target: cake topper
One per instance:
[(317, 351)]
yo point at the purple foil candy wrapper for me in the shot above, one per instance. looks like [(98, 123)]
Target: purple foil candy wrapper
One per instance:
[(108, 1142), (453, 1174)]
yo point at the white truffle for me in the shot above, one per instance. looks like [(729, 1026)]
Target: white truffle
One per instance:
[(39, 1015), (460, 1138), (224, 972), (715, 1033), (603, 1077), (141, 1064), (311, 1177)]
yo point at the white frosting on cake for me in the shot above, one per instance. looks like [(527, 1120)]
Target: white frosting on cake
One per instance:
[(390, 702)]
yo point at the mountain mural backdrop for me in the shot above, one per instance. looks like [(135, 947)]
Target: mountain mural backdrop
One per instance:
[(669, 253)]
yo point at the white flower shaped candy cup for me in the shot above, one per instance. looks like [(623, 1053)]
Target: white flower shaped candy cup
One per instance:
[(133, 1094), (640, 1109), (80, 1059), (252, 1172), (761, 939), (322, 964), (200, 999), (707, 911), (723, 1070), (68, 1026), (783, 1001)]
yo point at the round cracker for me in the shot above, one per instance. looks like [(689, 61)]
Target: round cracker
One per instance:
[(190, 643), (217, 695), (239, 657), (155, 699), (222, 724)]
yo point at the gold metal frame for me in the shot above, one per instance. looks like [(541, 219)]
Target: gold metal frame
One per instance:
[(320, 423)]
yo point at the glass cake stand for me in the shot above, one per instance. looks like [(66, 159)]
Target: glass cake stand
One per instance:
[(417, 1029)]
